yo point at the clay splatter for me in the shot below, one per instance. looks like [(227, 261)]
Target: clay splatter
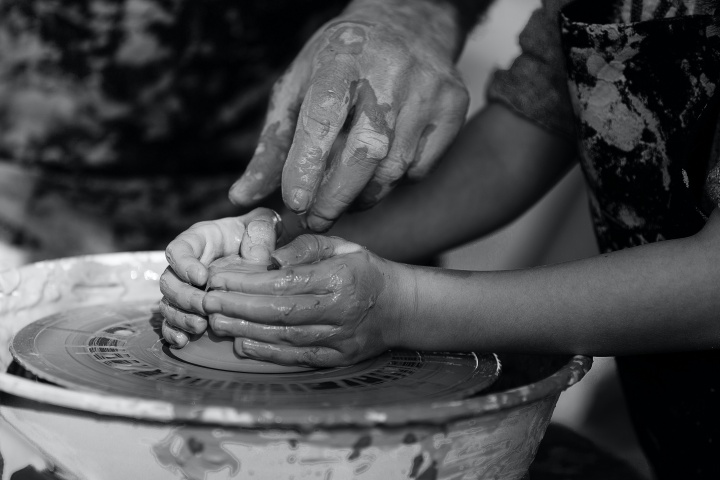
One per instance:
[(363, 442)]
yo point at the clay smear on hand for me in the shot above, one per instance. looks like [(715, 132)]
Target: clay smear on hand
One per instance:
[(258, 241)]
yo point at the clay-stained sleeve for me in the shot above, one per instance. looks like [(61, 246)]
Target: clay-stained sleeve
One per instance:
[(535, 85)]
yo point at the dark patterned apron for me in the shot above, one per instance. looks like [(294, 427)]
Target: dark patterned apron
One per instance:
[(645, 97)]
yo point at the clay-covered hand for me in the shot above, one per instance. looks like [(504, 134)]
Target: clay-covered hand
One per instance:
[(193, 251), (331, 303), (372, 97)]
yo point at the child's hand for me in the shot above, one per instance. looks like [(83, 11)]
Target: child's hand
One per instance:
[(331, 303), (191, 253)]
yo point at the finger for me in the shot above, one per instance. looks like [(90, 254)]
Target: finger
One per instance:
[(299, 336), (393, 168), (304, 309), (175, 337), (301, 273), (308, 249), (289, 281), (194, 249), (263, 173), (180, 294), (182, 320), (437, 137), (322, 116), (319, 357), (260, 237), (367, 144)]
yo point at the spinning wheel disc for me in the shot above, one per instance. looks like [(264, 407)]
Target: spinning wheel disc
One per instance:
[(118, 349)]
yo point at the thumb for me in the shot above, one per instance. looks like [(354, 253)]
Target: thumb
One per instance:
[(260, 236), (307, 249)]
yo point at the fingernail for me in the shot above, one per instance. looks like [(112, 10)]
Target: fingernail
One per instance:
[(249, 346), (220, 325), (198, 325), (299, 200), (210, 303), (194, 274), (179, 339)]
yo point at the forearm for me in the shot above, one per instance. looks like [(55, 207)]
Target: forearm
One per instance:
[(498, 167), (446, 22), (659, 297)]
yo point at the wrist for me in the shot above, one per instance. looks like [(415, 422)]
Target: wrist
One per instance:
[(401, 295), (432, 22)]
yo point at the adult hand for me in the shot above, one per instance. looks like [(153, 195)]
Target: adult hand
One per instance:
[(372, 97), (331, 303), (192, 252)]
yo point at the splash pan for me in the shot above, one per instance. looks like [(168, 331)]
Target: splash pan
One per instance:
[(118, 349), (89, 326)]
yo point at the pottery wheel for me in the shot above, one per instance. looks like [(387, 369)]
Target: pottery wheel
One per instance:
[(118, 349)]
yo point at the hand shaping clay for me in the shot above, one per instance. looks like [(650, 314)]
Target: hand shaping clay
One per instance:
[(212, 351)]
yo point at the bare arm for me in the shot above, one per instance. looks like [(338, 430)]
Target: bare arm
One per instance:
[(658, 297), (498, 167), (334, 303)]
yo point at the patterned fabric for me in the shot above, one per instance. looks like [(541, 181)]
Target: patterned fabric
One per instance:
[(644, 96), (125, 121), (643, 79), (534, 86), (646, 102)]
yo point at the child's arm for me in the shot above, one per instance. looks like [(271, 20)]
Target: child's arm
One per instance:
[(334, 303), (498, 167)]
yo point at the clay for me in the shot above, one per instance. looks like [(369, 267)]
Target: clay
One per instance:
[(117, 349), (213, 351)]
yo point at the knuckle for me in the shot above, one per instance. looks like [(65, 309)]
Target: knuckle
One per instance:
[(376, 143), (320, 119), (282, 285), (392, 169), (462, 96), (291, 335), (345, 282), (419, 172), (456, 100), (315, 356), (199, 225), (330, 207)]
